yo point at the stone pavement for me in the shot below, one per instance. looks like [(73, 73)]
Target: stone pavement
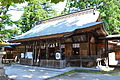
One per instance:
[(23, 72)]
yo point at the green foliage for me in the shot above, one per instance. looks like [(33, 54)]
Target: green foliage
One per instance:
[(5, 20), (4, 17), (9, 33), (6, 2), (109, 9), (33, 12), (9, 2)]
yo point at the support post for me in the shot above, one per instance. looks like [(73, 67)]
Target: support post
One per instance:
[(80, 55), (106, 48), (68, 49), (36, 51), (33, 53), (96, 48), (39, 54), (89, 49), (46, 45), (25, 51)]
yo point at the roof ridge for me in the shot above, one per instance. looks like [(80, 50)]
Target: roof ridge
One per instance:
[(83, 11)]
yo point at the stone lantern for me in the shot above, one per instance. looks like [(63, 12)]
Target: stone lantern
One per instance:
[(2, 70)]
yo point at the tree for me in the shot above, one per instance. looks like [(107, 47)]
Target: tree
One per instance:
[(36, 10), (4, 17), (9, 2), (6, 2), (7, 34), (109, 9), (5, 20), (33, 12)]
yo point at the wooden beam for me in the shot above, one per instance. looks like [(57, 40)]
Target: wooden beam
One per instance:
[(41, 37), (36, 51), (89, 28)]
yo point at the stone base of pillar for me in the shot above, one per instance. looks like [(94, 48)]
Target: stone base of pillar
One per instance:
[(2, 70), (4, 77)]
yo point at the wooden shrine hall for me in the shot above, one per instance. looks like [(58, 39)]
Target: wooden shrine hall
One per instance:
[(75, 37)]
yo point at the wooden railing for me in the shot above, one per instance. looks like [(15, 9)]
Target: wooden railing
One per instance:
[(8, 61), (78, 57), (53, 63), (26, 61), (72, 60)]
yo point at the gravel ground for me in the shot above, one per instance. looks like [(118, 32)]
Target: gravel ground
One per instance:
[(87, 76), (4, 78), (22, 72)]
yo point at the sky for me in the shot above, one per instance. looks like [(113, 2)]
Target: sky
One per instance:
[(60, 6), (17, 14)]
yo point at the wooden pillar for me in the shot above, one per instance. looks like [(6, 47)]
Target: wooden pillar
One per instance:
[(25, 51), (56, 48), (68, 49), (36, 51), (106, 47), (33, 52), (79, 50), (27, 44), (46, 47), (96, 47), (60, 47), (80, 55), (39, 52), (89, 49)]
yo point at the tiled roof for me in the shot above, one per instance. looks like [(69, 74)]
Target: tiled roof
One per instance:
[(57, 25)]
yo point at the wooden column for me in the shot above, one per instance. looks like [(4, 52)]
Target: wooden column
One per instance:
[(25, 51), (59, 45), (79, 49), (80, 55), (27, 44), (33, 52), (46, 47), (89, 50), (56, 46), (106, 47), (96, 47), (39, 52), (68, 49), (36, 51)]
